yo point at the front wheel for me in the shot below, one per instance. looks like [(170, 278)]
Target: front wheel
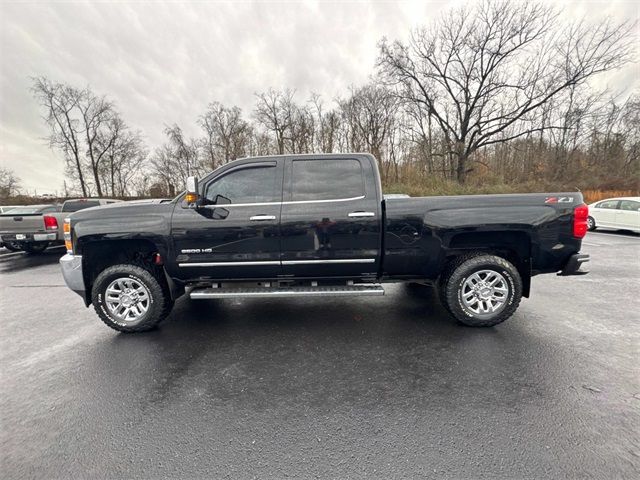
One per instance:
[(482, 290), (591, 224), (129, 298)]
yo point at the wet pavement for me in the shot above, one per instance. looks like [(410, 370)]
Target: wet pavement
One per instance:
[(382, 387)]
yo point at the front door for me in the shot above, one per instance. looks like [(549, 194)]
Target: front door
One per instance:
[(236, 233), (330, 218), (605, 213)]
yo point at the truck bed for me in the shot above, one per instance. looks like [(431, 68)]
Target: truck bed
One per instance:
[(421, 232)]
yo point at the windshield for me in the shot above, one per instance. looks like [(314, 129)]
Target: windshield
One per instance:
[(75, 205)]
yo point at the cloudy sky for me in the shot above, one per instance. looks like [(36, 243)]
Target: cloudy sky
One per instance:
[(163, 62)]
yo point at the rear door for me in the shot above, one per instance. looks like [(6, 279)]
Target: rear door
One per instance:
[(628, 214), (330, 218), (236, 234)]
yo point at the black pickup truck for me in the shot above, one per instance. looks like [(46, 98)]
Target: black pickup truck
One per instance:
[(317, 225)]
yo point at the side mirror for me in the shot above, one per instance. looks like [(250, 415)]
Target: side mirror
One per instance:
[(192, 191)]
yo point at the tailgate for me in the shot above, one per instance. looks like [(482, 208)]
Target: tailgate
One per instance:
[(26, 223)]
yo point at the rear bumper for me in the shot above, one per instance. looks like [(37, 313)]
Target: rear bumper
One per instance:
[(575, 265), (29, 237), (71, 266)]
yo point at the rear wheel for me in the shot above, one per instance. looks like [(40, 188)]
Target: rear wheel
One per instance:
[(482, 290), (591, 224), (130, 298), (35, 248)]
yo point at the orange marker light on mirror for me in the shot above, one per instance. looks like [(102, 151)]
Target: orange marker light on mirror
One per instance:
[(191, 197)]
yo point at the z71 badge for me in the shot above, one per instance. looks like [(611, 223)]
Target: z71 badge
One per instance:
[(558, 200)]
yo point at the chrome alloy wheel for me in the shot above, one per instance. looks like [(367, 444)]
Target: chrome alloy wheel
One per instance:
[(127, 299), (484, 292)]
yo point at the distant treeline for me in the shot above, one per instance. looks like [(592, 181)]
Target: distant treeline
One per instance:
[(492, 97)]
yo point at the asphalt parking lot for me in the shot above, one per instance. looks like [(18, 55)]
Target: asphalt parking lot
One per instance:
[(381, 387)]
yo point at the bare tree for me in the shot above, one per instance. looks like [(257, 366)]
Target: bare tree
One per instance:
[(124, 157), (60, 102), (274, 112), (177, 159), (327, 124), (227, 134), (369, 114), (83, 126), (482, 70), (9, 183), (98, 118)]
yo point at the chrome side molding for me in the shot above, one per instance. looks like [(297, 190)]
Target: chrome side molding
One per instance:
[(278, 262)]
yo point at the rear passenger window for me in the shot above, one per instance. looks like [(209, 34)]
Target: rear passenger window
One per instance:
[(629, 205), (326, 180)]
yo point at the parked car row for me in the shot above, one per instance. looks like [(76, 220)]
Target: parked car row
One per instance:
[(33, 228)]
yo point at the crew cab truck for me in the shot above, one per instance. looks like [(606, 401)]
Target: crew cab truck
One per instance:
[(317, 225)]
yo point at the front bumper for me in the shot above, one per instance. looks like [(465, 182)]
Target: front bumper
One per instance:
[(71, 266), (575, 265)]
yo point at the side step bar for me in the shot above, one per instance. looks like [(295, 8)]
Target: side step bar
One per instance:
[(339, 291)]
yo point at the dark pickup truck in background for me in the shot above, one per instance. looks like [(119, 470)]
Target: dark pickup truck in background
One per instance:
[(317, 225)]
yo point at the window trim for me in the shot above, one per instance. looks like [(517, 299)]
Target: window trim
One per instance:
[(287, 202)]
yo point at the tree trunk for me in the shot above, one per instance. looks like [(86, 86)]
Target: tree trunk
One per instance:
[(80, 176), (461, 168)]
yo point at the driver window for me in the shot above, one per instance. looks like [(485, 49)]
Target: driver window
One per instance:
[(247, 185)]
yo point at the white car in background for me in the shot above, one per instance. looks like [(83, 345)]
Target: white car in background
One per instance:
[(615, 213)]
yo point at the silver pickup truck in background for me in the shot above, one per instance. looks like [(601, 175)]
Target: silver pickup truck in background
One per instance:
[(33, 228)]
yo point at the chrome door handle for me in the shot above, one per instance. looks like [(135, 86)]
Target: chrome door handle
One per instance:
[(361, 214), (261, 218)]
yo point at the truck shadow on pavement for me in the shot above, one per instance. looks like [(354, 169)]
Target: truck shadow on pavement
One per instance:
[(318, 353), (18, 261)]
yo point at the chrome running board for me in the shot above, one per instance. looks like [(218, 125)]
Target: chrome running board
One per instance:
[(321, 291)]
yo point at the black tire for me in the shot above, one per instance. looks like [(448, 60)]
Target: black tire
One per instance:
[(454, 283), (12, 247), (591, 224), (35, 248), (159, 304)]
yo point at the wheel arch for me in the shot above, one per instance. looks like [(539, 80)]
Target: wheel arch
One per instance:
[(513, 246), (100, 254)]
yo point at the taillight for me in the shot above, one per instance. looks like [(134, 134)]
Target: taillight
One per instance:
[(50, 223), (66, 228), (580, 216)]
